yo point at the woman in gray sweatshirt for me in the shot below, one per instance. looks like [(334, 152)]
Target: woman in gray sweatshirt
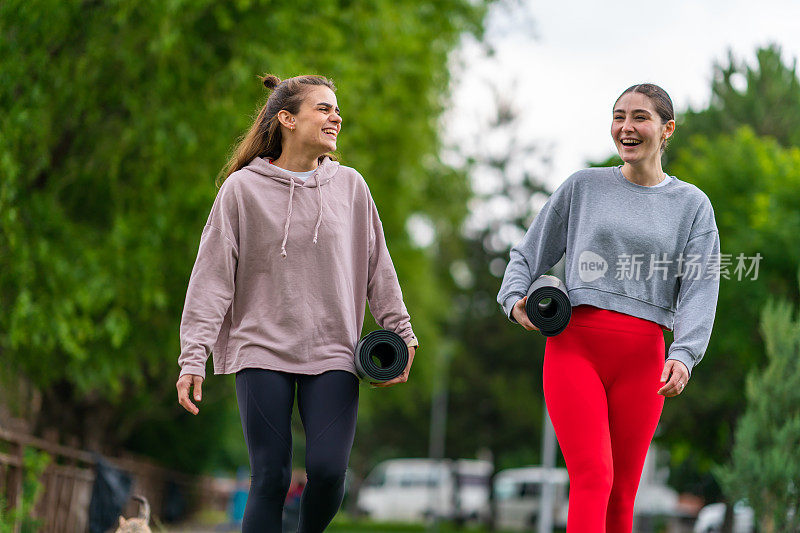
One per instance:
[(642, 255), (292, 250)]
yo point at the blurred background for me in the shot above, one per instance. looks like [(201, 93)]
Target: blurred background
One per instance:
[(463, 116)]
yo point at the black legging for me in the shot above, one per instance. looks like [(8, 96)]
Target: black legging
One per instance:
[(328, 405)]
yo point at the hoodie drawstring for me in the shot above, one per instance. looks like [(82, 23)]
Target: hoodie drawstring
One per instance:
[(319, 218), (289, 216)]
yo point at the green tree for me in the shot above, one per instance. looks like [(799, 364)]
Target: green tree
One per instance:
[(116, 119), (764, 467), (754, 186), (764, 96)]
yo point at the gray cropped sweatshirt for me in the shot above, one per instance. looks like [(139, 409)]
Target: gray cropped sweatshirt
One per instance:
[(649, 252)]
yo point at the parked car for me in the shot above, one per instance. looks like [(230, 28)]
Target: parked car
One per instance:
[(518, 496), (415, 490), (711, 517)]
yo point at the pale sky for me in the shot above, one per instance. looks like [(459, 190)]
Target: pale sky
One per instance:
[(564, 63)]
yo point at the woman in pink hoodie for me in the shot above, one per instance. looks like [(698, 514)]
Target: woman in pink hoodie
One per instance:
[(292, 250)]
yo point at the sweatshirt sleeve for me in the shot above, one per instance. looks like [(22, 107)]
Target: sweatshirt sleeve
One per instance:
[(383, 288), (211, 285), (540, 249), (698, 291)]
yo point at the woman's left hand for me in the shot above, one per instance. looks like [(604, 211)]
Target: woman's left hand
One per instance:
[(402, 378), (678, 376)]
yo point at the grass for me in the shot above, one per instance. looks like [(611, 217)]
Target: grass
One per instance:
[(343, 524)]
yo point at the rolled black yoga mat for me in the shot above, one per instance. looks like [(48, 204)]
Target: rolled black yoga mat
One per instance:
[(548, 307), (381, 356)]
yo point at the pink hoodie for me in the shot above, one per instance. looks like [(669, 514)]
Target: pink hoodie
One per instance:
[(283, 271)]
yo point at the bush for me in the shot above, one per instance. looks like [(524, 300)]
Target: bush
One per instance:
[(34, 464)]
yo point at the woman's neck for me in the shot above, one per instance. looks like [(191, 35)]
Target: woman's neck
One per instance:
[(296, 162), (647, 173)]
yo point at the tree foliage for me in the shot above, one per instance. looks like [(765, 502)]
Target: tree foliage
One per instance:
[(754, 186), (764, 96), (741, 151), (764, 467), (116, 119)]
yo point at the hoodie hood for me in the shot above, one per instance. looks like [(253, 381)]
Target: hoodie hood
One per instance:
[(323, 174)]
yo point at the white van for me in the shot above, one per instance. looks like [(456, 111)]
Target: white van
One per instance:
[(415, 490), (518, 496)]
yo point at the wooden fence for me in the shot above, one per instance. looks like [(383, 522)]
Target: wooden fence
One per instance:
[(68, 480)]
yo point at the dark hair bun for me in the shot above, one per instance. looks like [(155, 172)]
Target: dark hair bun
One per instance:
[(270, 81)]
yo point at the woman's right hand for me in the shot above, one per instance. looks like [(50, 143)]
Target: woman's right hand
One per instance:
[(519, 314), (184, 383)]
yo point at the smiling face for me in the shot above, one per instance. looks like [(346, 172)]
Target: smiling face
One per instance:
[(637, 129), (317, 123)]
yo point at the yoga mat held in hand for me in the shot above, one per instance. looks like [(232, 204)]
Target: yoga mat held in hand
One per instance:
[(381, 356), (548, 307)]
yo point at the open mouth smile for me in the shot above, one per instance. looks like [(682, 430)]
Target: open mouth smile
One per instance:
[(630, 142)]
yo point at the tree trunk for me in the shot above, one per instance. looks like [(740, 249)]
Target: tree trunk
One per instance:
[(727, 523), (89, 419)]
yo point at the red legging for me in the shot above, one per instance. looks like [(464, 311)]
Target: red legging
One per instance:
[(601, 375)]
